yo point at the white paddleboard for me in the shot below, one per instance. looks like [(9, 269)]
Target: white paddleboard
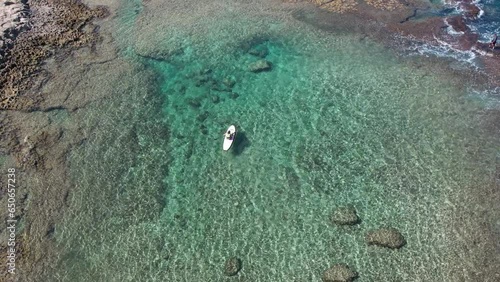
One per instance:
[(229, 142)]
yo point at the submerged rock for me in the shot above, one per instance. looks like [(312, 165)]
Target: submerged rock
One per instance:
[(203, 129), (259, 51), (203, 116), (234, 95), (385, 237), (260, 66), (229, 81), (220, 87), (232, 266), (194, 102), (215, 99), (201, 79), (339, 273), (179, 88), (345, 216)]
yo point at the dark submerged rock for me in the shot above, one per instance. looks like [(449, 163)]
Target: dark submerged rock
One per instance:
[(195, 103), (232, 266), (259, 51), (229, 81), (203, 129), (202, 117), (215, 99), (201, 79), (179, 88), (234, 95), (339, 273), (345, 216), (221, 87), (385, 237)]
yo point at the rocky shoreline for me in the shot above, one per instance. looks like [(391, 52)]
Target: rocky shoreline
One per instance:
[(33, 31), (53, 25)]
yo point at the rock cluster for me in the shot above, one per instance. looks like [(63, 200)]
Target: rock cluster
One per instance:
[(384, 237), (206, 78), (54, 24)]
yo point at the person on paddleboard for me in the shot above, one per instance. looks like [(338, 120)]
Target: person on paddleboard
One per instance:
[(493, 42), (228, 135)]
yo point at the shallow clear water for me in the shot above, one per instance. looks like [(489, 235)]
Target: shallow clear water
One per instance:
[(156, 199)]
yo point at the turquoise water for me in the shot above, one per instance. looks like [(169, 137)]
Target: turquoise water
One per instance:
[(156, 199)]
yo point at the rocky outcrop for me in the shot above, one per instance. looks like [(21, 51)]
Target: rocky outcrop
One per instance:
[(53, 24), (471, 10), (345, 216), (232, 266), (458, 23), (385, 237), (339, 273)]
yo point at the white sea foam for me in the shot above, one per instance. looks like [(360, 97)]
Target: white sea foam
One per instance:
[(442, 49), (480, 6)]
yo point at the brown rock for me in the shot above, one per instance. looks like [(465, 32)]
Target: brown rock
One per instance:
[(339, 273), (345, 216), (471, 11), (458, 23), (385, 237), (232, 266)]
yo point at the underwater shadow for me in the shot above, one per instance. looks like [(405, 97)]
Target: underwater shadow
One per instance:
[(241, 142)]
